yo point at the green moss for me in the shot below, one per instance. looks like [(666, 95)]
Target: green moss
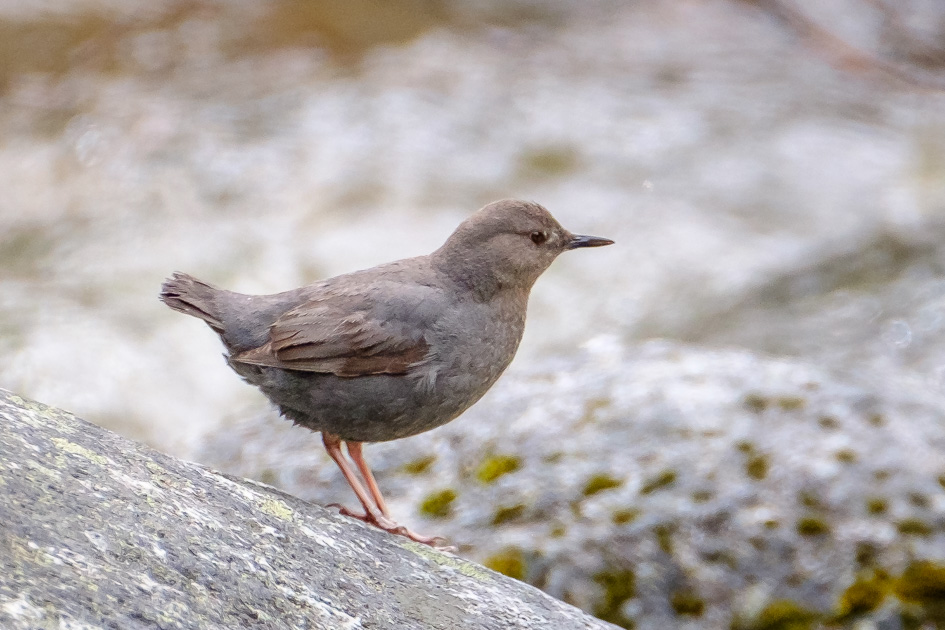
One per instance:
[(619, 586), (756, 466), (557, 531), (419, 466), (876, 506), (550, 161), (866, 554), (828, 422), (772, 523), (701, 496), (914, 527), (808, 498), (277, 508), (846, 456), (812, 526), (745, 446), (438, 504), (918, 499), (688, 603), (81, 451), (756, 402), (599, 483), (495, 466), (268, 476), (791, 403), (664, 537), (507, 513), (624, 516), (662, 480), (922, 582), (865, 595), (780, 615), (510, 562), (941, 480)]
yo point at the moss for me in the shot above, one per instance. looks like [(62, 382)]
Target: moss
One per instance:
[(510, 562), (558, 531), (918, 499), (276, 508), (866, 554), (624, 516), (756, 466), (438, 504), (619, 586), (772, 523), (922, 582), (876, 506), (81, 451), (599, 483), (664, 537), (702, 496), (809, 498), (881, 475), (865, 595), (756, 402), (495, 466), (507, 513), (846, 456), (268, 476), (941, 480), (688, 603), (550, 161), (791, 403), (877, 420), (914, 527), (828, 423), (660, 481), (745, 446), (419, 466), (812, 526), (779, 615)]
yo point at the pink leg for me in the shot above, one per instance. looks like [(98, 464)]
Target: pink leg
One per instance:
[(375, 511), (357, 456)]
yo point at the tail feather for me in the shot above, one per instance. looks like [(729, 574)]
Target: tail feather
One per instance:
[(190, 296)]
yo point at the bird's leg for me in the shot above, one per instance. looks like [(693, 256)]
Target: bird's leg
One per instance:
[(381, 520), (357, 456), (333, 446)]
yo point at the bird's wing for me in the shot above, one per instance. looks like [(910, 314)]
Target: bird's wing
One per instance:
[(346, 335)]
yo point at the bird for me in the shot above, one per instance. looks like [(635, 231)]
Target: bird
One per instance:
[(394, 350)]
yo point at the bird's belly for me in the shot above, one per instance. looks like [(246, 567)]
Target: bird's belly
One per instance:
[(367, 408)]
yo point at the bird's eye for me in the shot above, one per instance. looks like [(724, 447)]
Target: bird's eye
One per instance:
[(539, 238)]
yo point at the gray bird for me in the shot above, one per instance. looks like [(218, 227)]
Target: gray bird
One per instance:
[(394, 350)]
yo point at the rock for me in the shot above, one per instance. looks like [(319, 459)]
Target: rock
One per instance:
[(99, 532), (672, 486)]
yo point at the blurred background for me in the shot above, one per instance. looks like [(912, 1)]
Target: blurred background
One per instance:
[(773, 172)]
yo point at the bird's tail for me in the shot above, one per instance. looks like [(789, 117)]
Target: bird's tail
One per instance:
[(188, 295)]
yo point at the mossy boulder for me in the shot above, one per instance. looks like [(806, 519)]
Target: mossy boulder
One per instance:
[(99, 532)]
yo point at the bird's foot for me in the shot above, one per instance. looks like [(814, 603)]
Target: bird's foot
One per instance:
[(381, 521)]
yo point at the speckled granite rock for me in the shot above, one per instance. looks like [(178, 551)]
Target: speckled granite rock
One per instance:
[(99, 532), (672, 487)]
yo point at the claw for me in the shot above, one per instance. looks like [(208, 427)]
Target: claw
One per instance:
[(375, 510), (382, 522)]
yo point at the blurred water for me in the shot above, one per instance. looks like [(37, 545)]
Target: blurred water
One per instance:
[(759, 196)]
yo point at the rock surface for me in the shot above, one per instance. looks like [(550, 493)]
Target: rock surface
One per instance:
[(672, 486), (99, 532)]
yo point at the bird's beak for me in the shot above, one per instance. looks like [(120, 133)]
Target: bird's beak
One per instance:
[(580, 240)]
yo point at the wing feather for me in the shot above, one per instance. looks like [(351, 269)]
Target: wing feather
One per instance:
[(341, 334)]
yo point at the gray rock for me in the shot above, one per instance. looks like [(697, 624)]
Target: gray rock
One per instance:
[(671, 486), (99, 532)]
